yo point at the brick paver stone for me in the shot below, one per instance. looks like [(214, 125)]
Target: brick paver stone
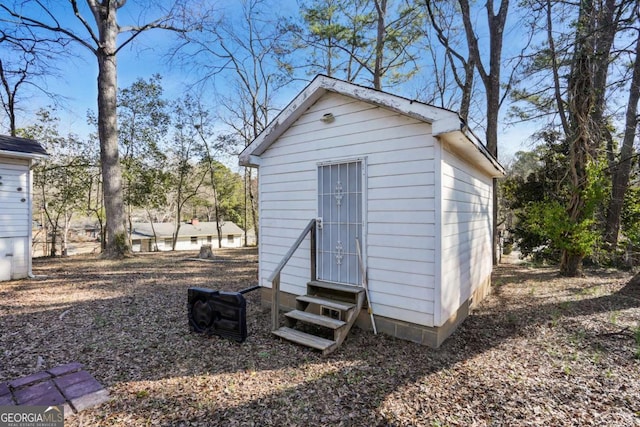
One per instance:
[(30, 379), (44, 393), (66, 385), (65, 369), (77, 384), (65, 381), (92, 399), (6, 400)]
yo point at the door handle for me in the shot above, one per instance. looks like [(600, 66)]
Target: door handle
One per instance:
[(319, 223)]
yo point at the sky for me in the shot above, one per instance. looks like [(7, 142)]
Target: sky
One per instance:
[(77, 82)]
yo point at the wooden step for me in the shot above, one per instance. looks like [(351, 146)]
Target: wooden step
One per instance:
[(303, 338), (315, 319), (337, 305), (336, 287)]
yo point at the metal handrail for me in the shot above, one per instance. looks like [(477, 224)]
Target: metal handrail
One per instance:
[(365, 285), (275, 276)]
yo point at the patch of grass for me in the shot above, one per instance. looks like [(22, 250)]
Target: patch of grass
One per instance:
[(613, 317), (577, 337), (99, 321), (591, 290), (555, 317), (142, 394), (564, 305)]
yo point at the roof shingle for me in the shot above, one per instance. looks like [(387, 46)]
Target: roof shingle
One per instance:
[(21, 145)]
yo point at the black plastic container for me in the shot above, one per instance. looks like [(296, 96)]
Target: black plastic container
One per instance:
[(218, 313)]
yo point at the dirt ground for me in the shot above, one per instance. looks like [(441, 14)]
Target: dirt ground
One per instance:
[(541, 350)]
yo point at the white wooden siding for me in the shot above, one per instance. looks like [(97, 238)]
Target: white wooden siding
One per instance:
[(14, 214), (466, 232), (15, 220), (400, 206)]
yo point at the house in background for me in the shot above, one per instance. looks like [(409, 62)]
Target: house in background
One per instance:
[(191, 236), (16, 158), (380, 184)]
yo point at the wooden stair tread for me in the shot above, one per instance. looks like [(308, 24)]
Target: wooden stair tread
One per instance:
[(338, 305), (336, 287), (304, 338), (315, 319)]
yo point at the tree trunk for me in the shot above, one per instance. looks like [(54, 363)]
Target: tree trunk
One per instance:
[(381, 8), (622, 170), (216, 203), (491, 82), (10, 107), (54, 241), (176, 234), (605, 30), (154, 248), (583, 131), (493, 106), (571, 265), (108, 133), (64, 248)]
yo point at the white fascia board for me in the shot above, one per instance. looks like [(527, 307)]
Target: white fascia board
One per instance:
[(408, 107), (281, 123), (445, 125), (473, 151), (249, 160), (453, 130), (18, 155), (318, 87)]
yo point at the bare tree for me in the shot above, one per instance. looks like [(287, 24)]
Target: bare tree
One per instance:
[(475, 60), (101, 39), (246, 53), (25, 62), (61, 180), (462, 67), (622, 168)]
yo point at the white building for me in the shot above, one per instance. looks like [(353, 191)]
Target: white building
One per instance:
[(16, 157), (190, 237), (408, 180)]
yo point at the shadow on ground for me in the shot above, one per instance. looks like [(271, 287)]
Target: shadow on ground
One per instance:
[(127, 323)]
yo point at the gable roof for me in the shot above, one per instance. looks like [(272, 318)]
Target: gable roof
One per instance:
[(446, 124), (166, 229), (14, 146)]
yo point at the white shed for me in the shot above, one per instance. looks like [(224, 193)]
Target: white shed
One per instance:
[(16, 158), (405, 180)]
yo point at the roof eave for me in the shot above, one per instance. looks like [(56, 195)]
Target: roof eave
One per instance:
[(306, 98), (318, 87), (446, 124), (461, 139), (20, 155)]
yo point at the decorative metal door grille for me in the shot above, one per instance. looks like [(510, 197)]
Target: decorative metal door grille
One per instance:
[(340, 207)]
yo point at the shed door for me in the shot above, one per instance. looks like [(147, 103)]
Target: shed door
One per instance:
[(340, 208)]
